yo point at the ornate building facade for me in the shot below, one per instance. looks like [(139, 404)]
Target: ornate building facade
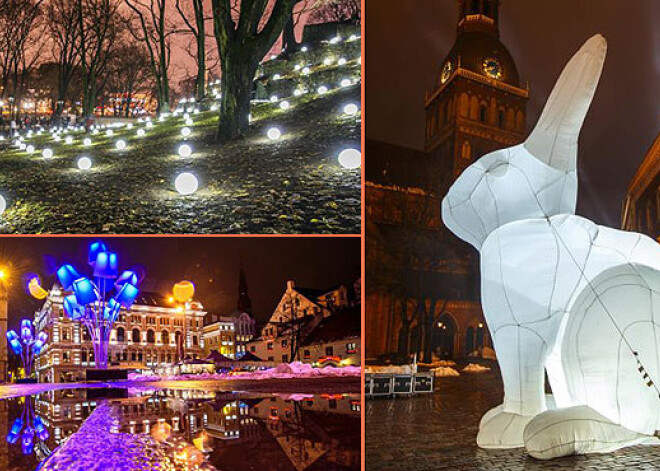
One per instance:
[(422, 288), (142, 338), (641, 206)]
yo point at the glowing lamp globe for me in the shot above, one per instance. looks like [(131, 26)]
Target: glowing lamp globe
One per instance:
[(341, 61), (29, 149), (306, 71), (186, 183), (189, 122), (297, 92), (297, 67), (95, 132), (186, 115), (185, 150), (47, 153), (351, 109), (345, 83), (352, 37), (183, 291), (322, 89), (277, 77), (3, 204), (129, 126), (109, 133), (56, 138), (304, 49), (185, 132), (150, 124), (350, 158), (22, 146), (274, 134), (87, 141), (120, 144), (273, 99), (140, 132), (285, 105), (327, 61), (84, 163), (335, 40)]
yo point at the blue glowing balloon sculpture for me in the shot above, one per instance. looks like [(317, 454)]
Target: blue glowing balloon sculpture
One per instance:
[(27, 345), (31, 426), (96, 303)]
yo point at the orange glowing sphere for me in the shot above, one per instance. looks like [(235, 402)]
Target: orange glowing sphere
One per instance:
[(183, 291), (161, 431)]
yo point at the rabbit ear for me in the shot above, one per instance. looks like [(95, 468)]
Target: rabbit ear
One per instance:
[(554, 140)]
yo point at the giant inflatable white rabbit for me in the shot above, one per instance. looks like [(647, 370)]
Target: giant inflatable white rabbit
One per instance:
[(561, 295)]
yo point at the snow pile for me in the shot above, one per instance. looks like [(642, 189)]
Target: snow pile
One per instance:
[(474, 368), (282, 371), (391, 369), (445, 371), (437, 363)]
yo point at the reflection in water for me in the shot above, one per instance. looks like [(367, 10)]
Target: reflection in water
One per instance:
[(234, 431), (28, 427)]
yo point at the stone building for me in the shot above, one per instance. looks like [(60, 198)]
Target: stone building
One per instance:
[(641, 206), (144, 337), (422, 286)]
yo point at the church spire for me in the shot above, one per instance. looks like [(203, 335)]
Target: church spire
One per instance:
[(479, 15), (244, 301)]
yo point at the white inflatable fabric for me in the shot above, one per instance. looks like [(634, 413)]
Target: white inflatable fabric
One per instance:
[(542, 268)]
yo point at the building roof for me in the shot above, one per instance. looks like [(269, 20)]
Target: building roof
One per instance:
[(313, 293), (395, 165), (341, 325), (249, 356), (217, 357)]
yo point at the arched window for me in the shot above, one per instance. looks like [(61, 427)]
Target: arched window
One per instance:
[(483, 113), (121, 333), (469, 340), (165, 337), (520, 122), (85, 334), (132, 356), (140, 355), (501, 120), (466, 150), (151, 336), (474, 108), (194, 339), (136, 335), (464, 105)]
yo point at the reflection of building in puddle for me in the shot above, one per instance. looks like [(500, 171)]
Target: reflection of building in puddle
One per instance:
[(28, 430), (63, 411)]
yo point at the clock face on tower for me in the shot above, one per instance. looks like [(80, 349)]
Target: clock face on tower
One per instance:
[(492, 67), (446, 72)]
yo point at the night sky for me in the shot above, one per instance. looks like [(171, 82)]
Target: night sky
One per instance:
[(211, 263), (408, 40)]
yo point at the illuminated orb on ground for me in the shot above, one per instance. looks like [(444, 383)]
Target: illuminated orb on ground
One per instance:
[(185, 150), (189, 122), (186, 183), (351, 109), (87, 141), (350, 158), (274, 134), (345, 83), (120, 144), (109, 133), (29, 149), (185, 132), (3, 204), (68, 140), (341, 61), (285, 105), (306, 71), (150, 124), (84, 163), (273, 99), (140, 132), (322, 89), (297, 92), (47, 153)]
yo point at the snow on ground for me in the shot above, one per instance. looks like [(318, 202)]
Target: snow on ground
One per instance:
[(474, 368), (282, 371), (445, 371)]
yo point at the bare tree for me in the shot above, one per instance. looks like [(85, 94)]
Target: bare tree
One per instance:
[(289, 42), (197, 28), (154, 30), (129, 72), (64, 27), (244, 34), (100, 24), (337, 11)]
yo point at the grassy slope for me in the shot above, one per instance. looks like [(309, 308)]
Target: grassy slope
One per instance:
[(249, 186)]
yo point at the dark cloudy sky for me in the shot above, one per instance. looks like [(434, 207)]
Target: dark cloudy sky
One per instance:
[(211, 263), (407, 41)]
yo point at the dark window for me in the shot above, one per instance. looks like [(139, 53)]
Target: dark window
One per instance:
[(306, 354), (285, 358), (270, 345), (132, 356), (165, 337), (253, 349), (332, 403), (271, 358), (194, 340), (139, 356), (483, 113), (329, 351), (151, 336), (284, 343), (136, 335), (120, 334)]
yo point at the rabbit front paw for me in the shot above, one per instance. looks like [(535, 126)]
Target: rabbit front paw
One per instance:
[(499, 429)]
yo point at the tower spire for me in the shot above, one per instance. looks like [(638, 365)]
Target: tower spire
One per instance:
[(244, 302), (479, 15)]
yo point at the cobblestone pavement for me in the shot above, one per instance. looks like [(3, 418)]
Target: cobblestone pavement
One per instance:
[(438, 432)]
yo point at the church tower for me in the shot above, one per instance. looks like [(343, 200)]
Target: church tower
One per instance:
[(477, 104)]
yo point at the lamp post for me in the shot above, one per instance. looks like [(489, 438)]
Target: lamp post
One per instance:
[(91, 302), (183, 291)]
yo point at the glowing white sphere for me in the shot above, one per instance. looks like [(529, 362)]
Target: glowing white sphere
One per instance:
[(22, 147), (3, 204), (84, 163), (95, 132), (140, 132), (277, 77), (29, 149), (147, 119), (186, 115), (350, 158), (120, 144), (161, 118), (297, 67), (87, 141), (185, 150), (273, 99), (56, 138), (285, 105), (327, 61), (345, 83), (304, 49), (185, 132), (47, 153), (341, 61), (351, 109), (306, 71), (274, 134), (335, 40), (186, 183), (150, 124), (68, 140), (322, 89), (129, 126), (297, 92), (189, 122), (109, 132), (352, 37)]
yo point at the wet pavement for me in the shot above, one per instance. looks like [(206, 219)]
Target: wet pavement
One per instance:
[(438, 432)]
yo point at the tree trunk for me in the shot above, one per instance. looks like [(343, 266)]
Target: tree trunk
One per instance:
[(201, 51), (428, 334), (289, 44), (404, 332), (238, 71)]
